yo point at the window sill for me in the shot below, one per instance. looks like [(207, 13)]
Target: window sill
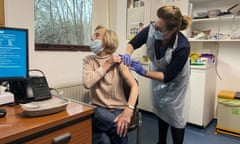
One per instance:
[(59, 47)]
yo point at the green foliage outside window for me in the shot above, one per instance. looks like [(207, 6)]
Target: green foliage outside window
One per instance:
[(63, 22)]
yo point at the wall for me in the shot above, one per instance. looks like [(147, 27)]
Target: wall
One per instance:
[(101, 13), (228, 66), (119, 22)]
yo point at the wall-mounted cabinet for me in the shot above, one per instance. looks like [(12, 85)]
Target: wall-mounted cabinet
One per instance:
[(1, 12)]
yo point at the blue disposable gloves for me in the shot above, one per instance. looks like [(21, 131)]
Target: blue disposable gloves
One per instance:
[(126, 59), (137, 67), (133, 65)]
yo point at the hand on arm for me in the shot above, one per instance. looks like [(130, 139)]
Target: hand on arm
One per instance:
[(126, 57), (111, 61), (137, 67)]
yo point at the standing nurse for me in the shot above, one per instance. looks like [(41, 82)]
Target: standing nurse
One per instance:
[(168, 50)]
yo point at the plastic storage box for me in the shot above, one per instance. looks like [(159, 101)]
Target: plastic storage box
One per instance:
[(228, 113)]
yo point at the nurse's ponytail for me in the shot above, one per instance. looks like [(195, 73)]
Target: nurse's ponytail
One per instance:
[(186, 21), (173, 17)]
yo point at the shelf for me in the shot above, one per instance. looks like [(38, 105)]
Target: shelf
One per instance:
[(233, 40), (217, 19), (203, 40), (194, 1)]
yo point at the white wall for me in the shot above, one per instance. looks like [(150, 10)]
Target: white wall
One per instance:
[(20, 14), (101, 14), (120, 24), (228, 66)]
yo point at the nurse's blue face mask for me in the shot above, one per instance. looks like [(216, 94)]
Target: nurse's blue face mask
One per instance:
[(158, 35)]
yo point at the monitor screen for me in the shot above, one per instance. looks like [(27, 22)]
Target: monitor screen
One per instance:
[(13, 53)]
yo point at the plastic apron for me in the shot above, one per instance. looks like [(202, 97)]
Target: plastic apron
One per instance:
[(171, 100)]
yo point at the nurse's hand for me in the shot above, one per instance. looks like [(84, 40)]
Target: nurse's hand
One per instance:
[(137, 67), (126, 59)]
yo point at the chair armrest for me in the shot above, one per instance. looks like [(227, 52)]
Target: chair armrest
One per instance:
[(136, 120)]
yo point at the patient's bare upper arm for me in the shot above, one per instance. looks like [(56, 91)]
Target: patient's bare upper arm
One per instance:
[(127, 75)]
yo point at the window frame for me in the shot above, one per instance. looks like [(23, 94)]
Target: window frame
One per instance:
[(60, 47)]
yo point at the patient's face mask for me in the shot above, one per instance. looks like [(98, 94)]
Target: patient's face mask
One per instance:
[(96, 46)]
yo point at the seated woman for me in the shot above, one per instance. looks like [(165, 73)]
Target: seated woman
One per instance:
[(103, 74)]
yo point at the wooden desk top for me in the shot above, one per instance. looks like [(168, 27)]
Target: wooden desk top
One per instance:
[(15, 125)]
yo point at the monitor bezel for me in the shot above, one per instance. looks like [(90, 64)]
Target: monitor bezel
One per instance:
[(27, 54)]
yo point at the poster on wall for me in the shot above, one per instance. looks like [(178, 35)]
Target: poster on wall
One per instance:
[(134, 28)]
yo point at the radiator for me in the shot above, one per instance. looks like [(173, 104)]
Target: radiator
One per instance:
[(74, 91)]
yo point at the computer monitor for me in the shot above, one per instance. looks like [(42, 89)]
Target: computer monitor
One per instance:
[(13, 53), (14, 60)]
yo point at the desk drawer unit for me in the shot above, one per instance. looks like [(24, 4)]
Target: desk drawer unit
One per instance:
[(70, 126), (79, 132)]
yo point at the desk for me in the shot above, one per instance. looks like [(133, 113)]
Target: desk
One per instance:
[(76, 120)]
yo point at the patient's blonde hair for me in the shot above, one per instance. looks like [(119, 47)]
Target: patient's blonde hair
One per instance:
[(110, 40)]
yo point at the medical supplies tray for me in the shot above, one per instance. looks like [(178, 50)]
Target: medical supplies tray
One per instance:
[(45, 107)]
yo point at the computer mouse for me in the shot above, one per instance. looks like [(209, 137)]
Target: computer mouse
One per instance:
[(2, 113)]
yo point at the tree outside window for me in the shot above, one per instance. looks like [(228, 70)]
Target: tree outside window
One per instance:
[(63, 24)]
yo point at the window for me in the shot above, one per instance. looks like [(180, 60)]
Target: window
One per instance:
[(63, 24)]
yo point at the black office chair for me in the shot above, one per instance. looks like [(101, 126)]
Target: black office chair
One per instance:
[(136, 121)]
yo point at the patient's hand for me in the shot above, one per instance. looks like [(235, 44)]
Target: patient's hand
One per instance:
[(114, 59), (123, 120)]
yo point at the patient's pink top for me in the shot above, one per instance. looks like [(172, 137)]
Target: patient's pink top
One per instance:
[(105, 87)]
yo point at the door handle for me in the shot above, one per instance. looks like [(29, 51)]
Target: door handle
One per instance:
[(62, 139)]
